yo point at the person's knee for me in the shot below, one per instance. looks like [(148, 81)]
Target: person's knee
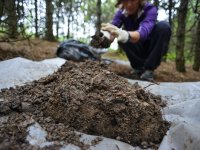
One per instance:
[(121, 45), (164, 26)]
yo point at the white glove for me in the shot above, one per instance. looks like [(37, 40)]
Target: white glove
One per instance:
[(106, 34), (121, 35)]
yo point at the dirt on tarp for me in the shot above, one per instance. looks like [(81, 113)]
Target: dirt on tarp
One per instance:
[(84, 97)]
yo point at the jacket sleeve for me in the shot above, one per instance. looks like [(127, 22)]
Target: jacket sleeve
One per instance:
[(117, 20), (148, 23)]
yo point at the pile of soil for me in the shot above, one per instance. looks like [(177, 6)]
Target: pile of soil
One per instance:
[(84, 97)]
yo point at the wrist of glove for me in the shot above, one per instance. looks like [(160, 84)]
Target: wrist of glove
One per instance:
[(123, 36)]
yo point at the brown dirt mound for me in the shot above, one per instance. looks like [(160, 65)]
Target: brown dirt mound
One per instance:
[(86, 97)]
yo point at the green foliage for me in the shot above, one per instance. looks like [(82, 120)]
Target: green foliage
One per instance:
[(189, 35), (84, 40), (171, 56), (113, 54), (108, 9), (89, 10)]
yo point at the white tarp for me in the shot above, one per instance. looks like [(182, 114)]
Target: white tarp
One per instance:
[(183, 107), (18, 71)]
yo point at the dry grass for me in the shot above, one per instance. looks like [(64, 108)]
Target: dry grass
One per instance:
[(34, 49), (167, 72)]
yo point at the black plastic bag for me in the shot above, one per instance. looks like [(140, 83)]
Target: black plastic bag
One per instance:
[(78, 51)]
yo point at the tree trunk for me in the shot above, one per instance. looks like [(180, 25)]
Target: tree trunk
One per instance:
[(69, 19), (12, 19), (68, 27), (170, 7), (156, 3), (21, 17), (196, 65), (98, 23), (58, 4), (36, 19), (2, 3), (57, 27), (49, 21), (182, 13)]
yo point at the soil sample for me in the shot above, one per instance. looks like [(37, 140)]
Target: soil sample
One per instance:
[(100, 41), (88, 98)]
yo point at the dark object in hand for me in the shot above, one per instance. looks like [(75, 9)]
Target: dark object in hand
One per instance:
[(100, 41)]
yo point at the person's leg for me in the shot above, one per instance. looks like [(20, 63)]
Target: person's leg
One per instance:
[(157, 45), (135, 54)]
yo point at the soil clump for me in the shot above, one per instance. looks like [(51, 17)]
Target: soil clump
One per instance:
[(100, 41), (85, 97)]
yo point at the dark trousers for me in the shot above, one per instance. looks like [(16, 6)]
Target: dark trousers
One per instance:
[(148, 54)]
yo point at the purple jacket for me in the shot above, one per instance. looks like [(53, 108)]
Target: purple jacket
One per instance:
[(143, 22)]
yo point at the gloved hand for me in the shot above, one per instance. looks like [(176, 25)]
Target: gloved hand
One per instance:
[(101, 40), (121, 35)]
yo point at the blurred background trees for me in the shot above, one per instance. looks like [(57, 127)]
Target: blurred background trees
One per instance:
[(58, 20)]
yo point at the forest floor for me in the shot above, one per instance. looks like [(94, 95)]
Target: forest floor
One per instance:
[(40, 50)]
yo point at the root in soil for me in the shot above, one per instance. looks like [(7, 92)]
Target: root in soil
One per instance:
[(84, 97)]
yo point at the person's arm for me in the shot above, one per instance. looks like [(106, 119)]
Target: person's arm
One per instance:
[(146, 25), (134, 36), (117, 19)]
